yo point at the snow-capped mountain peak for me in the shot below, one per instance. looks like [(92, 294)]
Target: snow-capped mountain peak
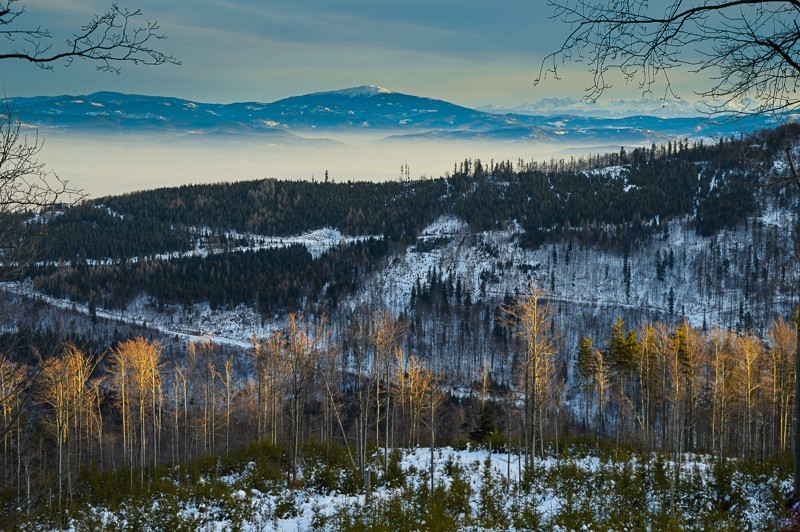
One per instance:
[(363, 90), (399, 116)]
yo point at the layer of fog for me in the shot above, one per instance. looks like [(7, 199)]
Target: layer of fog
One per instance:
[(114, 163)]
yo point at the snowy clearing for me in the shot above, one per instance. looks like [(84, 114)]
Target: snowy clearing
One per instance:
[(482, 491)]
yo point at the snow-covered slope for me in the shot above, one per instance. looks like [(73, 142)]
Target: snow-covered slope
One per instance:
[(672, 274), (587, 491), (492, 264)]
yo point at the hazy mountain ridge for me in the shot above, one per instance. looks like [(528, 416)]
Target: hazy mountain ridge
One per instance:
[(370, 109), (616, 108)]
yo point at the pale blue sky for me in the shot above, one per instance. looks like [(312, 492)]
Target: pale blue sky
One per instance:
[(471, 52)]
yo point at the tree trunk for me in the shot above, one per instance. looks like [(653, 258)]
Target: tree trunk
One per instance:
[(433, 433), (797, 410)]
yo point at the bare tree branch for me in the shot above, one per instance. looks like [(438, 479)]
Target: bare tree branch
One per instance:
[(744, 48), (27, 189), (109, 39)]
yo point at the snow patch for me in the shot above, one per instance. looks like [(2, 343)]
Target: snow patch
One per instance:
[(363, 90)]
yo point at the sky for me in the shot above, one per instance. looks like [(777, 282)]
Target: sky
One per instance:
[(470, 52)]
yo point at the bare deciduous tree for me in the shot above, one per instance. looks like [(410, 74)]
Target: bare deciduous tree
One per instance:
[(745, 48), (782, 345), (26, 186), (300, 348), (358, 341), (13, 391), (136, 375), (389, 332), (65, 390), (108, 39), (531, 317)]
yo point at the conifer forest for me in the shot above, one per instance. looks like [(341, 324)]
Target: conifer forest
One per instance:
[(604, 342)]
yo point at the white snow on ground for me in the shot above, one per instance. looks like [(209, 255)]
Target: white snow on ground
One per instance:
[(779, 167), (492, 263), (198, 323), (311, 505), (780, 218), (610, 172), (111, 212), (231, 327), (444, 226), (317, 242)]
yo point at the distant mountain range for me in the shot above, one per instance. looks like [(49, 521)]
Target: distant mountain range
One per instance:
[(660, 107), (392, 115)]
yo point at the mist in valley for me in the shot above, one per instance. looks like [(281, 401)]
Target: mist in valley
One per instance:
[(103, 163)]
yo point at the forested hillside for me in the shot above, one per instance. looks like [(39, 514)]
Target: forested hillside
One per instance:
[(662, 233), (636, 190), (640, 299), (612, 201)]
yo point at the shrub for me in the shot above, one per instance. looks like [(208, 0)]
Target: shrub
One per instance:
[(491, 507)]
